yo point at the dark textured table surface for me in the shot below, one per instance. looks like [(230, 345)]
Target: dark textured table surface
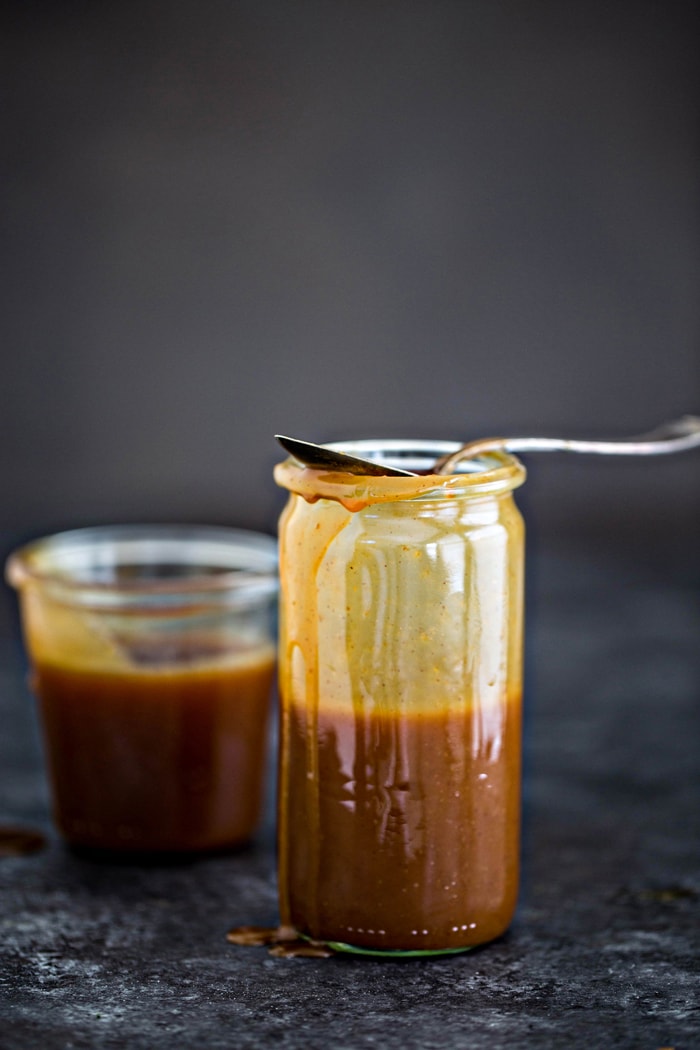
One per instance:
[(605, 949)]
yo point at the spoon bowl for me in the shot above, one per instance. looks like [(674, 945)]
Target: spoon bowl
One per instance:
[(321, 457)]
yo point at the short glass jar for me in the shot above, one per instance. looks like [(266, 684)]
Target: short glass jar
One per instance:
[(152, 656), (400, 688)]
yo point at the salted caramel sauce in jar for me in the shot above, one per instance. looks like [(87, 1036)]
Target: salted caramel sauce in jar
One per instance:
[(400, 662)]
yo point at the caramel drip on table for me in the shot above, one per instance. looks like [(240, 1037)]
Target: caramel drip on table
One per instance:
[(18, 842), (283, 942)]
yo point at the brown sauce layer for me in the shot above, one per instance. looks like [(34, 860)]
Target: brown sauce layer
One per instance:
[(17, 842), (411, 825), (157, 759), (283, 942)]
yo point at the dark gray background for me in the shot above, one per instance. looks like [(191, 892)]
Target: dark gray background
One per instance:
[(337, 219), (217, 219)]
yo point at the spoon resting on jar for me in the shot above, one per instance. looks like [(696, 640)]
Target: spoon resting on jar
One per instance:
[(679, 435)]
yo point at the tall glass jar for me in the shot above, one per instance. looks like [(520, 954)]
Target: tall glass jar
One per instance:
[(400, 688)]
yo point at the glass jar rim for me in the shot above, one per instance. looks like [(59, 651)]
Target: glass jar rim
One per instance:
[(76, 564), (488, 474)]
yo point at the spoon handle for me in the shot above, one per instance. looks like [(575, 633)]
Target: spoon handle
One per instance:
[(676, 436)]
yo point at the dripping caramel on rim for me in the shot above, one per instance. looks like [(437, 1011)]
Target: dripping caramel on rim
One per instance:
[(494, 472)]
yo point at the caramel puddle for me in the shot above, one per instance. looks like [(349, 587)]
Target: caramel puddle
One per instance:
[(18, 842), (283, 942)]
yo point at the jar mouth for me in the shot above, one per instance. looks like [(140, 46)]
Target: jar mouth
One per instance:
[(487, 474), (116, 565)]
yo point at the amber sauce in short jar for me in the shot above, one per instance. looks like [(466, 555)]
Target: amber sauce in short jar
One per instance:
[(157, 758), (152, 656)]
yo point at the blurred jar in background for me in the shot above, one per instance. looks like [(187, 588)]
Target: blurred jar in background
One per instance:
[(152, 656)]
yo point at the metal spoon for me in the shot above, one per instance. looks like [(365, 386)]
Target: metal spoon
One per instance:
[(676, 436), (321, 458)]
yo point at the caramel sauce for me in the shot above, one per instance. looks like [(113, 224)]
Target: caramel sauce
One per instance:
[(18, 842), (282, 942), (157, 756), (411, 825)]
